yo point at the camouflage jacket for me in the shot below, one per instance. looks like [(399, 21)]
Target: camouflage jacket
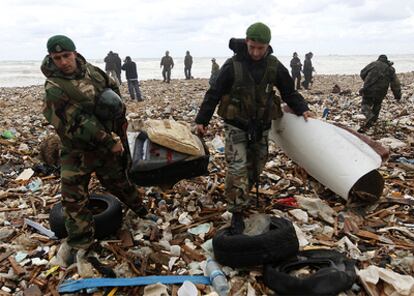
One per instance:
[(73, 118), (378, 76)]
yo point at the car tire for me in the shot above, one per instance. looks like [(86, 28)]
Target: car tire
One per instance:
[(107, 216), (242, 250), (335, 273)]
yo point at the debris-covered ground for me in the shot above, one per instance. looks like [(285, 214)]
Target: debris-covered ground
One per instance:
[(189, 214)]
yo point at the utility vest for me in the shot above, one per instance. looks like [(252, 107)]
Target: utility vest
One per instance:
[(249, 103), (85, 94)]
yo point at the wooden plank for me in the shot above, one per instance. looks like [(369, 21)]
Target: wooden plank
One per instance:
[(16, 267)]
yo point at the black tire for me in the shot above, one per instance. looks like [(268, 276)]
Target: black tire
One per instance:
[(335, 273), (242, 250), (107, 216)]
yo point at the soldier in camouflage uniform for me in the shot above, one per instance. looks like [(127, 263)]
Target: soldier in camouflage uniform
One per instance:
[(167, 63), (377, 76), (92, 140), (244, 90)]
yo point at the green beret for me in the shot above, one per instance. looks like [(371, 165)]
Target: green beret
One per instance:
[(59, 43), (259, 32)]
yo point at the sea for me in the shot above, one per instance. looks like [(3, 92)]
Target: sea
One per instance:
[(27, 73)]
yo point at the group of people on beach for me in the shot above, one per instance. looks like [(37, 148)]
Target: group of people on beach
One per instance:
[(308, 69), (244, 89), (113, 68)]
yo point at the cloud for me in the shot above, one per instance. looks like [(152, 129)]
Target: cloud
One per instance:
[(146, 28)]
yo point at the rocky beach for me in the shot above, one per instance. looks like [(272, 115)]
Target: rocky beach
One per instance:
[(379, 234)]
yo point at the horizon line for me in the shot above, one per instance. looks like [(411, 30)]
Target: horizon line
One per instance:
[(224, 57)]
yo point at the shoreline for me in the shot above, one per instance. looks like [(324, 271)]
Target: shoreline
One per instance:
[(323, 76)]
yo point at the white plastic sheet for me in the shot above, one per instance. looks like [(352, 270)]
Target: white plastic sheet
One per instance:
[(332, 155), (402, 284)]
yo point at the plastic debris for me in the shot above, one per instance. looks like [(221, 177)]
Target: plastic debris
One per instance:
[(187, 289), (200, 229), (25, 175), (401, 284), (218, 144)]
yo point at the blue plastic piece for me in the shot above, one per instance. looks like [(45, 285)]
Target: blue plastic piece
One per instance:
[(70, 286)]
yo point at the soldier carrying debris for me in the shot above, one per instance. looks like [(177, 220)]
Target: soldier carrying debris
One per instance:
[(84, 106), (244, 89)]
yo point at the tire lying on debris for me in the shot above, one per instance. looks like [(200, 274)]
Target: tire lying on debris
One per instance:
[(107, 215), (334, 273), (243, 250)]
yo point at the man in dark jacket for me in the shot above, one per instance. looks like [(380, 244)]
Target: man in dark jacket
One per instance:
[(308, 70), (188, 63), (377, 76), (93, 137), (245, 91), (296, 66), (131, 74), (167, 63), (111, 66)]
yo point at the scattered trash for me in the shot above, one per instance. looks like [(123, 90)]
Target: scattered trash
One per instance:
[(217, 278), (7, 134), (40, 228), (25, 175), (187, 289), (397, 283), (379, 234), (218, 144)]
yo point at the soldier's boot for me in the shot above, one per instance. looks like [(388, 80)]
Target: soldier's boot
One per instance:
[(237, 223), (85, 268), (366, 126), (65, 256)]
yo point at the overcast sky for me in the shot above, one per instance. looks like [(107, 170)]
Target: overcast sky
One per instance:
[(146, 28)]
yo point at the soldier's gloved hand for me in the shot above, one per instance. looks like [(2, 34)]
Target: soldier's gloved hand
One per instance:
[(361, 91)]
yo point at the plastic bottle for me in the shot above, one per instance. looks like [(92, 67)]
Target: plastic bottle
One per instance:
[(217, 278)]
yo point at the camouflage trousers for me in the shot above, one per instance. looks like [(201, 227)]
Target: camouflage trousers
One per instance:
[(245, 162), (76, 170), (371, 108)]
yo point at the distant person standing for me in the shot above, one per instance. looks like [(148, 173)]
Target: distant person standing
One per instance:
[(215, 68), (308, 70), (377, 76), (110, 66), (167, 64), (296, 66), (131, 74), (188, 63), (118, 63)]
